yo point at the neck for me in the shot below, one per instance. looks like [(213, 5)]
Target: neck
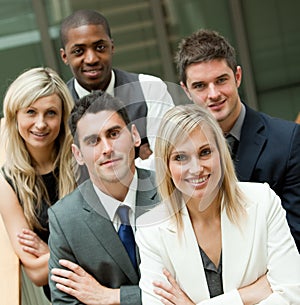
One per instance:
[(228, 123), (43, 161), (116, 189), (211, 213)]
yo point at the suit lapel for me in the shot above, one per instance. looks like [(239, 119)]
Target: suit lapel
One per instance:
[(146, 196), (184, 255), (250, 146), (101, 226)]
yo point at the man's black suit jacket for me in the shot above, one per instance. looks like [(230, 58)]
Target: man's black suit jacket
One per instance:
[(269, 151)]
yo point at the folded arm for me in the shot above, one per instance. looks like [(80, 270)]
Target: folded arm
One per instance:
[(14, 220), (171, 293)]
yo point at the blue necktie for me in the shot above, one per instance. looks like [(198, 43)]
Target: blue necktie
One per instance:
[(126, 234)]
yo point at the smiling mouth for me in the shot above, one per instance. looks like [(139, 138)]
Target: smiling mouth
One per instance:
[(108, 162), (93, 72), (199, 180), (216, 104), (37, 134)]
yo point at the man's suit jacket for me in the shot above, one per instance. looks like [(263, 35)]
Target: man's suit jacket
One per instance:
[(81, 231), (269, 151), (262, 243)]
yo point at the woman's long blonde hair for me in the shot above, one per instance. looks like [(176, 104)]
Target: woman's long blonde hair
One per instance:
[(176, 125), (18, 167)]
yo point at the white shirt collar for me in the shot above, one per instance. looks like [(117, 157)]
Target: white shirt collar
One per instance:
[(83, 92), (111, 204), (111, 85)]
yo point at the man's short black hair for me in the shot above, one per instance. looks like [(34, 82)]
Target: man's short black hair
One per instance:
[(93, 103), (79, 18)]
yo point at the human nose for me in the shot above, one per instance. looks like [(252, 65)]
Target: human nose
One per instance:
[(40, 122), (91, 57), (196, 166), (106, 147), (213, 92)]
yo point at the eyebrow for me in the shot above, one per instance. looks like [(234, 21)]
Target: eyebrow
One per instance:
[(184, 151), (86, 138), (203, 82), (36, 108), (113, 128), (93, 43), (224, 74)]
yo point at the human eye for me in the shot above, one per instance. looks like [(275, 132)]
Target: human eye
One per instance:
[(199, 86), (222, 80), (205, 152), (30, 111), (101, 47), (51, 112), (180, 157), (92, 141), (77, 51), (114, 134)]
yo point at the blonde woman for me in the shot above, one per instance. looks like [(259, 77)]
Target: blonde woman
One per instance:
[(38, 164), (213, 240)]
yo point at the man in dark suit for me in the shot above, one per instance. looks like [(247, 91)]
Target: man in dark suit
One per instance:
[(264, 149), (88, 48), (84, 225)]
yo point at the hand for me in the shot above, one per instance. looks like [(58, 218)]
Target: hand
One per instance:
[(171, 293), (32, 244), (78, 283), (256, 292)]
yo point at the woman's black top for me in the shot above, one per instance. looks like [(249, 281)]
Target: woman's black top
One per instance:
[(213, 275)]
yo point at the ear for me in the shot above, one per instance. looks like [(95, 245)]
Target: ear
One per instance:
[(135, 136), (186, 90), (238, 76), (63, 56), (77, 154)]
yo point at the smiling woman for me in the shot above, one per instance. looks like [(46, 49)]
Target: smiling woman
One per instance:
[(37, 167), (195, 168), (39, 126), (197, 234)]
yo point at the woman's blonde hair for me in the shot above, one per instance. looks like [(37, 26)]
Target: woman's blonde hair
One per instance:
[(176, 125), (18, 167)]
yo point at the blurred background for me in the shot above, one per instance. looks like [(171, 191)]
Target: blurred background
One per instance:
[(265, 33)]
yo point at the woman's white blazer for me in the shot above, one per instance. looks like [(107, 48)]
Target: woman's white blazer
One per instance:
[(262, 244)]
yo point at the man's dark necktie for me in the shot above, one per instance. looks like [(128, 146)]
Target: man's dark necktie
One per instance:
[(233, 145), (126, 234)]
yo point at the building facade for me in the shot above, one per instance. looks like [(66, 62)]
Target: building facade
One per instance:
[(146, 33)]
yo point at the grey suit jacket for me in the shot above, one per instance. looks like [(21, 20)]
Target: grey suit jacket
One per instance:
[(81, 231)]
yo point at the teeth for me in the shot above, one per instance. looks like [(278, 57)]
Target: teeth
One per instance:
[(200, 180), (39, 134)]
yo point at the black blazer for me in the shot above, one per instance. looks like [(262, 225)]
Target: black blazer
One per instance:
[(269, 151), (81, 231)]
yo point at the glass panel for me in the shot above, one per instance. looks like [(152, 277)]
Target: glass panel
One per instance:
[(20, 46), (274, 42)]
